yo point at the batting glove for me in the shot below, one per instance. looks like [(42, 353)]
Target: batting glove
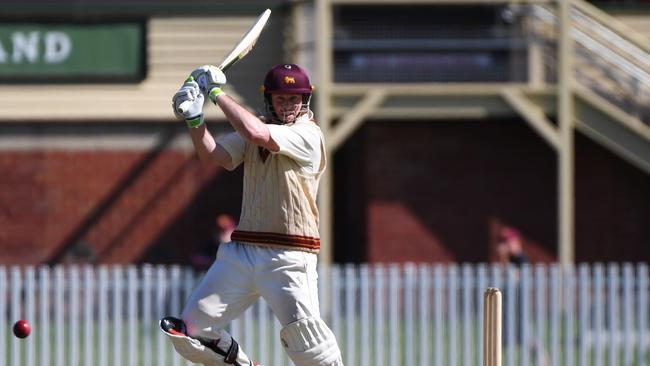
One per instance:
[(210, 79), (188, 103)]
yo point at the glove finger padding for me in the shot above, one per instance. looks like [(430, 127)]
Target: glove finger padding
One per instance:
[(199, 70), (309, 342), (191, 94), (209, 77)]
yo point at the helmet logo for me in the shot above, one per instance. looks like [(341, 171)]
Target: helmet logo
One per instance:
[(289, 80)]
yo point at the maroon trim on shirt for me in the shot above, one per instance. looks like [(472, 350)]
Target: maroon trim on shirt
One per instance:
[(286, 240)]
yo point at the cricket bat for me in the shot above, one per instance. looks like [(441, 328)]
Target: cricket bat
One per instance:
[(243, 47)]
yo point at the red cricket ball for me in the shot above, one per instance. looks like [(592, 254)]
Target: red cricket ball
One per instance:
[(22, 329)]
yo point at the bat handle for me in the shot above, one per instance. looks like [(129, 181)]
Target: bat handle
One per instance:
[(182, 108)]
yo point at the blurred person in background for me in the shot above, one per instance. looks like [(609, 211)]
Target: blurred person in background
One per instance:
[(510, 252), (274, 248), (207, 252), (510, 248)]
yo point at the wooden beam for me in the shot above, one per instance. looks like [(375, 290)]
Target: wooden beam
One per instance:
[(566, 153), (353, 119), (432, 89), (622, 134), (324, 64), (534, 116), (437, 2), (426, 114), (612, 111)]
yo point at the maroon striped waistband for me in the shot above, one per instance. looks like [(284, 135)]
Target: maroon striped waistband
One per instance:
[(275, 239)]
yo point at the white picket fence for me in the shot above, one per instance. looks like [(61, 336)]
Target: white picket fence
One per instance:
[(383, 315)]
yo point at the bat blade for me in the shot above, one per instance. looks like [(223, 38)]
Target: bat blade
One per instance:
[(247, 42), (241, 49)]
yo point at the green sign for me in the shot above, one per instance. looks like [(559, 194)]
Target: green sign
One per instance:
[(34, 51)]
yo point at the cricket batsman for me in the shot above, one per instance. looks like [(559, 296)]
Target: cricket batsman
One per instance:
[(273, 250)]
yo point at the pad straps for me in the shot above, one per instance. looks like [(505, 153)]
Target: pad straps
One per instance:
[(230, 356), (233, 351)]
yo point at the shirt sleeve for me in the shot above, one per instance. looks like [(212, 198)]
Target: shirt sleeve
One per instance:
[(299, 141), (235, 146)]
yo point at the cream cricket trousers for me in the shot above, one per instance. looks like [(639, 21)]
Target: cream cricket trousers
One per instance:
[(286, 279)]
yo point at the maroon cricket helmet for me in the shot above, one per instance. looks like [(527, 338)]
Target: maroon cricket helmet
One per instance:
[(287, 79)]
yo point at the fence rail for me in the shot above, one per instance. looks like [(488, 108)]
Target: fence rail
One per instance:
[(382, 315)]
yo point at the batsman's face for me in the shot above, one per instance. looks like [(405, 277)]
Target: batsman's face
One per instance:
[(287, 106)]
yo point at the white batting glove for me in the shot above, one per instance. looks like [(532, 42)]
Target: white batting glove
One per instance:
[(190, 97), (210, 79)]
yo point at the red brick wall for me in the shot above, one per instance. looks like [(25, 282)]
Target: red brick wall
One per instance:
[(404, 192), (613, 205), (438, 192), (116, 202)]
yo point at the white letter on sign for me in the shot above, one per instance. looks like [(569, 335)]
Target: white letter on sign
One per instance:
[(25, 45), (57, 47), (3, 54)]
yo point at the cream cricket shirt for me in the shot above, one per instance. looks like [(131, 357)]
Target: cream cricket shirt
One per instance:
[(279, 194)]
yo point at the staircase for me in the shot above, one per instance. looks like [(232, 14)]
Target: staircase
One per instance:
[(611, 69)]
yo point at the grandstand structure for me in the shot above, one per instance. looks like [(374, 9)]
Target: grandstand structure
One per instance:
[(586, 71)]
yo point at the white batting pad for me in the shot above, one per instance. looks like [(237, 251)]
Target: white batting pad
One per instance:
[(309, 342)]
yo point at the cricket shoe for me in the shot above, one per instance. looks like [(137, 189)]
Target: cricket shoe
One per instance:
[(173, 326)]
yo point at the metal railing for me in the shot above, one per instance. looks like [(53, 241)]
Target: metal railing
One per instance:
[(426, 314)]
